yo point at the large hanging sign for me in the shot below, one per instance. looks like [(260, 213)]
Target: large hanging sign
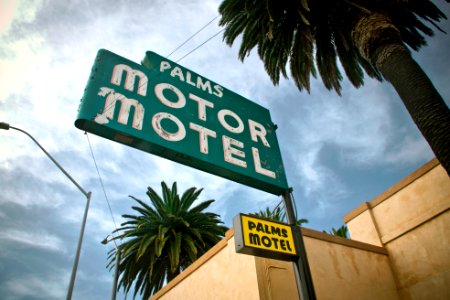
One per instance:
[(165, 109), (261, 237)]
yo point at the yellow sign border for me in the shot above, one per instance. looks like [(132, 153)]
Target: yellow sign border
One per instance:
[(268, 236)]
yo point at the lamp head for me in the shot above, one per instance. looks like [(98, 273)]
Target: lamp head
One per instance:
[(4, 125)]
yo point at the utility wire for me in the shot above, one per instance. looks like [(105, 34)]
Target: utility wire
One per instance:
[(278, 205), (101, 183), (200, 45), (210, 38), (192, 36), (107, 108)]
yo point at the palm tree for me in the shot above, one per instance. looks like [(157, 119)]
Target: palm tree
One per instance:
[(277, 214), (163, 238), (341, 231), (370, 36)]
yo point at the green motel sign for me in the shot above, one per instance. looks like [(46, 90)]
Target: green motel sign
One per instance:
[(165, 109)]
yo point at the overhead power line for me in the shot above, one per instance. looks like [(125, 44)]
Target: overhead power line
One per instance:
[(177, 48), (201, 45), (189, 38), (101, 183)]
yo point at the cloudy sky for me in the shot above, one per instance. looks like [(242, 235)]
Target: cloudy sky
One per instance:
[(337, 151)]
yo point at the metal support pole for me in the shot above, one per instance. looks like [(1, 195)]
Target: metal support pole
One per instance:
[(77, 255), (6, 126), (303, 274), (116, 275)]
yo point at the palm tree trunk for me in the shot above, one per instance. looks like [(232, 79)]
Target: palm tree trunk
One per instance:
[(379, 42), (421, 99)]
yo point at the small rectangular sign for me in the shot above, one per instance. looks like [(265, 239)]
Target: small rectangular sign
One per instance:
[(261, 237), (165, 109)]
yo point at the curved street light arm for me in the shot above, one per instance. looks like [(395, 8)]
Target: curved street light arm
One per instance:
[(6, 126)]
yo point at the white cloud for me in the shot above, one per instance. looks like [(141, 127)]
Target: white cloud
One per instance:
[(408, 150), (30, 238), (319, 182), (18, 64), (10, 10), (52, 286), (359, 123)]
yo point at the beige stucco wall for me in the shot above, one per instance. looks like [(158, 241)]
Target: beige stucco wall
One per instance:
[(344, 269), (400, 249), (412, 221), (219, 274), (340, 268), (364, 228), (421, 260)]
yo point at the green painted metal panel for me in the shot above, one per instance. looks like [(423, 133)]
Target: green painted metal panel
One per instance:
[(165, 109)]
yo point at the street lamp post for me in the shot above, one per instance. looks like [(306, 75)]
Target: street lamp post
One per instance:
[(116, 269), (6, 126), (116, 275)]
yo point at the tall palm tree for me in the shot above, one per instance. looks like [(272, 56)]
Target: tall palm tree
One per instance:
[(163, 238), (277, 214), (370, 36)]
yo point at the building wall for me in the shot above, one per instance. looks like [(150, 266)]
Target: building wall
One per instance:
[(345, 269), (412, 221), (421, 260), (219, 274), (340, 268), (399, 250)]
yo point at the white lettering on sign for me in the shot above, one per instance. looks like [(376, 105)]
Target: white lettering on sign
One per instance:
[(130, 78), (258, 168), (172, 97), (164, 65), (202, 104), (199, 82), (189, 80), (124, 112), (229, 151), (159, 92), (205, 86), (203, 133), (225, 112), (257, 130), (177, 72), (169, 136)]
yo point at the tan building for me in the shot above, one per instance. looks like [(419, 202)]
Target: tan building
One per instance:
[(399, 249)]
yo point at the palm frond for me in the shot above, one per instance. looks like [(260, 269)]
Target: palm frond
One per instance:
[(310, 35), (163, 238)]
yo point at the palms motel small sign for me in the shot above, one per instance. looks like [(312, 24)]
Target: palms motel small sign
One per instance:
[(165, 109), (262, 237)]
